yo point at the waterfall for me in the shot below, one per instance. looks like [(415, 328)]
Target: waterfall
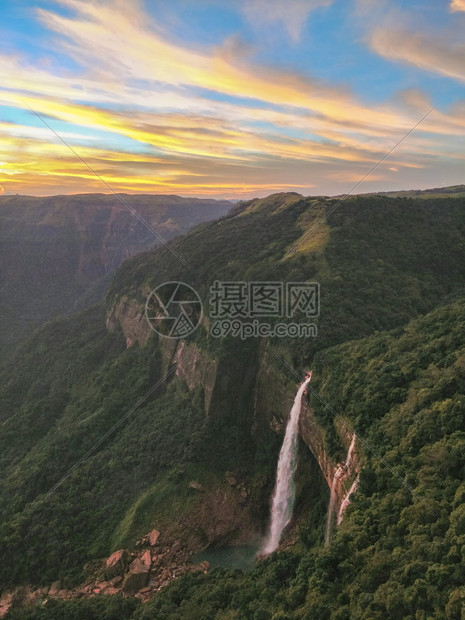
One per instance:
[(351, 449), (346, 500), (340, 472), (332, 500), (284, 491)]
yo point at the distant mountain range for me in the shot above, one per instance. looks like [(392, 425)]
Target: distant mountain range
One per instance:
[(58, 253)]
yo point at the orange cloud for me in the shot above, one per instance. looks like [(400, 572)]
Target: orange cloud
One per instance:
[(191, 143), (457, 5), (130, 49), (45, 165)]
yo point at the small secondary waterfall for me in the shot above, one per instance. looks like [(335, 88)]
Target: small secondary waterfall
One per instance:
[(346, 500), (284, 492), (341, 471), (351, 449), (332, 500)]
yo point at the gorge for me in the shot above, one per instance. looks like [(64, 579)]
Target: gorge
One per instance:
[(197, 461)]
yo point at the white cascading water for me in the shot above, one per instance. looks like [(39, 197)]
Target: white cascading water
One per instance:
[(351, 449), (332, 500), (346, 500), (340, 471), (284, 492)]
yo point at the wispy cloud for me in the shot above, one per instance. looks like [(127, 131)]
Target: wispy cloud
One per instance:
[(203, 118), (436, 53), (291, 14), (133, 51)]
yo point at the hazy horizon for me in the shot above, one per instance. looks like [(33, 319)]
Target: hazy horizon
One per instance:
[(231, 199)]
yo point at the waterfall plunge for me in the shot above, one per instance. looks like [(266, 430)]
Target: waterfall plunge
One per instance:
[(284, 492), (332, 500), (339, 473)]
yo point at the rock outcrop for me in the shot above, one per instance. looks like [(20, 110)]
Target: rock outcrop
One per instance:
[(116, 564), (339, 476), (130, 316), (194, 366), (6, 601), (137, 576), (141, 573)]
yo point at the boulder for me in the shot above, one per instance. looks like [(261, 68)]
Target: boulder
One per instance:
[(153, 537), (137, 577), (6, 601), (116, 564), (146, 558)]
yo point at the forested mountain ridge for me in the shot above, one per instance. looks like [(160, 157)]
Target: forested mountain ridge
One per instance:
[(379, 260), (58, 253), (380, 263)]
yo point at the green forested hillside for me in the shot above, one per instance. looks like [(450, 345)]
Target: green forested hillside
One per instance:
[(400, 551), (396, 375), (89, 383)]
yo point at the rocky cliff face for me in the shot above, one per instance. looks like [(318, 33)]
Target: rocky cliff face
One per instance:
[(193, 366), (129, 315), (342, 477), (273, 394)]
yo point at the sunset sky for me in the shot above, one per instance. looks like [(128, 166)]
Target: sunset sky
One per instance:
[(230, 98)]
